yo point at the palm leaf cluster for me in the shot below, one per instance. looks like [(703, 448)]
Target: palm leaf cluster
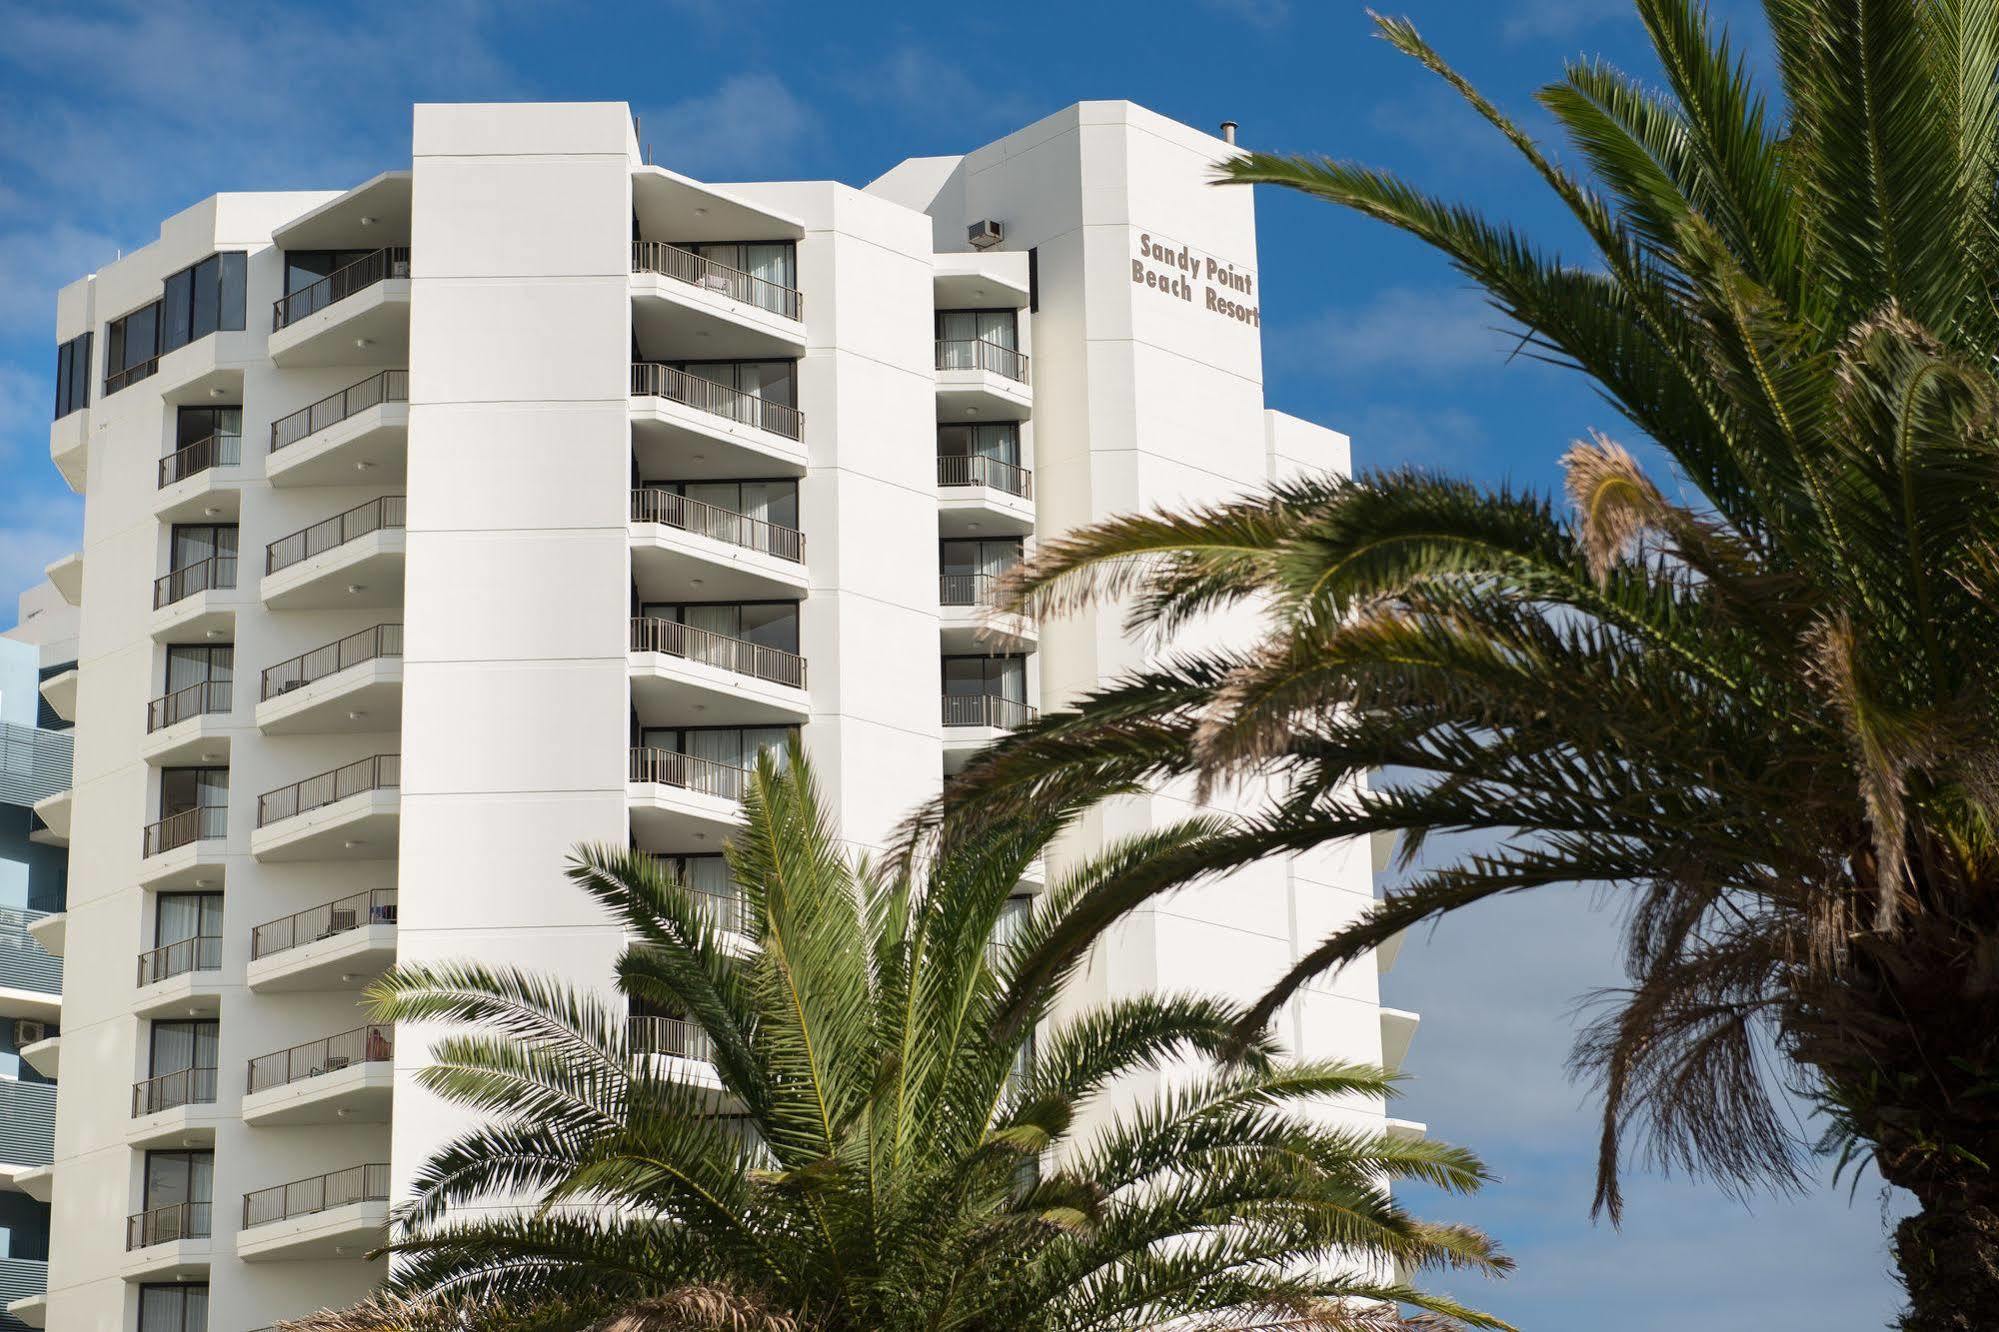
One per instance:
[(855, 1124), (1756, 699)]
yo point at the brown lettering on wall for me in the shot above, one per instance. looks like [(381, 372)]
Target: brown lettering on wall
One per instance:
[(1174, 272)]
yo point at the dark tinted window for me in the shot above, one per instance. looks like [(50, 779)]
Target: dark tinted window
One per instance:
[(201, 299), (177, 311), (73, 375), (132, 341)]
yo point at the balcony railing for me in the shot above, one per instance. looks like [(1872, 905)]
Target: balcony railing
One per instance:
[(380, 772), (217, 571), (384, 640), (669, 509), (131, 375), (374, 1044), (388, 386), (652, 380), (382, 513), (967, 589), (668, 1036), (978, 470), (164, 1225), (24, 964), (195, 700), (201, 953), (668, 767), (738, 656), (218, 450), (27, 1123), (323, 922), (686, 266), (199, 824), (34, 763), (979, 354), (304, 1197), (171, 1091), (341, 283), (987, 710)]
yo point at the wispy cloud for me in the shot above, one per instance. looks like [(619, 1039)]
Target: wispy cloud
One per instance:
[(1536, 19), (923, 84), (1394, 435), (1406, 331), (749, 123)]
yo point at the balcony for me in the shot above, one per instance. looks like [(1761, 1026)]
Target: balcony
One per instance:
[(673, 1037), (338, 945), (27, 1127), (982, 380), (195, 600), (202, 480), (678, 296), (184, 847), (69, 448), (969, 622), (352, 684), (683, 676), (189, 724), (44, 1056), (350, 560), (30, 978), (340, 1214), (352, 812), (678, 543), (973, 721), (359, 433), (181, 978), (348, 1078), (352, 316), (688, 427), (34, 764), (168, 1242), (981, 496), (59, 692), (24, 1284), (173, 1109), (680, 801)]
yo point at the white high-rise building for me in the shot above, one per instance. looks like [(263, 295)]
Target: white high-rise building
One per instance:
[(514, 499)]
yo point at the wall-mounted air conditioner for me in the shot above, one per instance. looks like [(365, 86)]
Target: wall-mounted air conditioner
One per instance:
[(27, 1031), (985, 234)]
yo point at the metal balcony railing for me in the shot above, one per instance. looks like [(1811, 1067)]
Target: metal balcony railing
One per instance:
[(374, 1044), (978, 470), (365, 272), (686, 266), (131, 375), (218, 450), (27, 1123), (668, 767), (380, 772), (199, 824), (980, 354), (323, 922), (384, 640), (164, 1225), (989, 710), (195, 700), (34, 764), (201, 953), (217, 571), (652, 380), (966, 589), (170, 1091), (736, 655), (305, 1197), (388, 386), (668, 1036), (669, 509), (380, 514), (24, 964)]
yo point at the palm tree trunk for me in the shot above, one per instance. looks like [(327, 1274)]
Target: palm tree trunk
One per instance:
[(1948, 1252)]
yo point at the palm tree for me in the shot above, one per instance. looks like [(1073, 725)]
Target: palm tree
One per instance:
[(1757, 702), (819, 1120)]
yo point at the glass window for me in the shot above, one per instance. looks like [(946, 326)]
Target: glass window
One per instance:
[(177, 311), (773, 502), (178, 917), (132, 341), (176, 1308), (182, 789), (769, 623), (173, 1178), (992, 677), (194, 542), (194, 424), (73, 375), (998, 440), (999, 327), (233, 287), (991, 558), (735, 746), (193, 664), (177, 1046)]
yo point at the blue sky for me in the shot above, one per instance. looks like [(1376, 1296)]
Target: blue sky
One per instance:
[(114, 116)]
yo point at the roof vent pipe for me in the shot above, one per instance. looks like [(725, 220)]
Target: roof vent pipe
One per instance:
[(1228, 132)]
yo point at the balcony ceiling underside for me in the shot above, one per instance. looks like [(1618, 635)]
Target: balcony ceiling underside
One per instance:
[(672, 207), (337, 225)]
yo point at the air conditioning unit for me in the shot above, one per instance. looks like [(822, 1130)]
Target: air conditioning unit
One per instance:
[(27, 1031), (290, 685), (986, 234)]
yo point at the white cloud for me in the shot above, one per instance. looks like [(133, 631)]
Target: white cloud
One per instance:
[(1561, 18), (1391, 435), (1401, 331), (748, 123), (925, 85)]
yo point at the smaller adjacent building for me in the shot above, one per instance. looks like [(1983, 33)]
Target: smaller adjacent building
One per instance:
[(37, 673)]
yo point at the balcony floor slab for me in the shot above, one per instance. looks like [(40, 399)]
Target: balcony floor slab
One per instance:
[(204, 859), (360, 1093), (667, 560), (203, 738), (672, 439), (975, 629), (174, 1260), (192, 994), (675, 819), (675, 691), (214, 493), (364, 826), (370, 446), (330, 704), (982, 511), (370, 327), (348, 1231), (981, 395), (181, 1126), (364, 572), (343, 961), (680, 320), (209, 614)]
